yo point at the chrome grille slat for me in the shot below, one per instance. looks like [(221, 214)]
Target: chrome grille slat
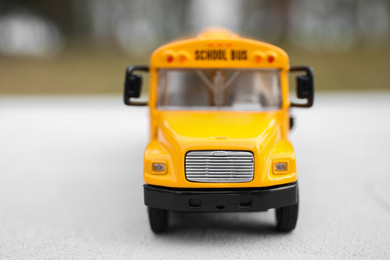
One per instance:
[(246, 165), (211, 161), (219, 170), (218, 157), (214, 174), (210, 172), (219, 166)]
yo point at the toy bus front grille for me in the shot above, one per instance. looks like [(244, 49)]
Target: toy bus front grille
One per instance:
[(219, 166)]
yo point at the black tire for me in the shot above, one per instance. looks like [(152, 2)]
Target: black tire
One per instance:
[(287, 217), (158, 219)]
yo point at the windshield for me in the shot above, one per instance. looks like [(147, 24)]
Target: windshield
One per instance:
[(219, 89)]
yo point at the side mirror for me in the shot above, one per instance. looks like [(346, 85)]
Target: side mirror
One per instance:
[(133, 85), (305, 86)]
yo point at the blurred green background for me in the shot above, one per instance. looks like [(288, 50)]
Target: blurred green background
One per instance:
[(83, 47)]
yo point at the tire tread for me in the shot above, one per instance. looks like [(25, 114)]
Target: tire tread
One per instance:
[(158, 219)]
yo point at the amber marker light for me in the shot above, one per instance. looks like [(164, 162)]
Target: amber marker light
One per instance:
[(258, 56), (183, 56)]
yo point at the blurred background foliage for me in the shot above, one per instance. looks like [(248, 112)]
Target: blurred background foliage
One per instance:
[(83, 47)]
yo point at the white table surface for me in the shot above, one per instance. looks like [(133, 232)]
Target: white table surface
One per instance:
[(71, 185)]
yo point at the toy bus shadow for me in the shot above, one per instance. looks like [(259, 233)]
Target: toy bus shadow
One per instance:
[(259, 223)]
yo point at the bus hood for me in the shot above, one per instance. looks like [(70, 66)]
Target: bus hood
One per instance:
[(213, 129)]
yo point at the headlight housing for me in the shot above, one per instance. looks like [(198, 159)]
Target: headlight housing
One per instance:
[(280, 167), (159, 167)]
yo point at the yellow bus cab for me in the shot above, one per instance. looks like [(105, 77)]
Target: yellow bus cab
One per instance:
[(219, 111)]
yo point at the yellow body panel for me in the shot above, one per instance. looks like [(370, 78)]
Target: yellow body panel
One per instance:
[(173, 133)]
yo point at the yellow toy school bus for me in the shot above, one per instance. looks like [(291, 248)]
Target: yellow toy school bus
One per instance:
[(219, 123)]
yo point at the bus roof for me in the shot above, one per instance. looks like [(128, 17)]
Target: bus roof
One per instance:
[(216, 32)]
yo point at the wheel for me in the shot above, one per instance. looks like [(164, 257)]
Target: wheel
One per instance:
[(158, 219), (286, 218)]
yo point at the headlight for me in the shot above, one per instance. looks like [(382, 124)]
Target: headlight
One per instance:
[(159, 167), (280, 167)]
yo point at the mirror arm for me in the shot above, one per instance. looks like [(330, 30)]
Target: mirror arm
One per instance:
[(307, 69), (310, 74), (129, 72), (131, 69)]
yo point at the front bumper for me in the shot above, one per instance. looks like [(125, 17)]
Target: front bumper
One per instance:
[(211, 200)]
